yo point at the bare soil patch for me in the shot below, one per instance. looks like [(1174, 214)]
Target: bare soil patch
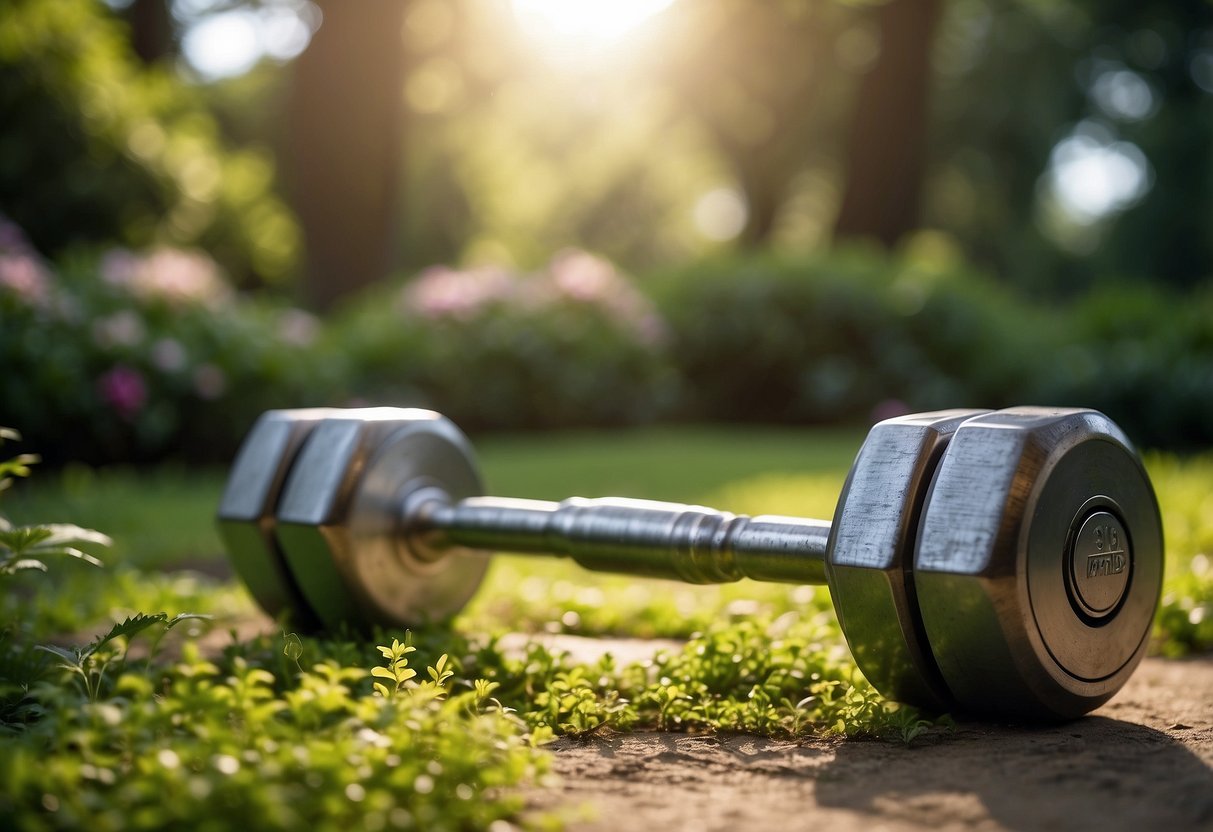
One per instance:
[(1143, 761)]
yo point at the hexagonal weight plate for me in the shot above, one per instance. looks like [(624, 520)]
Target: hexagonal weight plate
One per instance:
[(340, 515), (246, 517), (870, 554), (1024, 500)]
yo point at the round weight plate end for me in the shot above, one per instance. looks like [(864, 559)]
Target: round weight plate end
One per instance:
[(340, 516), (1039, 562)]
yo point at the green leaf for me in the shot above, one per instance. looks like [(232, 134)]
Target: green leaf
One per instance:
[(18, 466), (52, 539), (65, 534), (383, 673), (67, 655), (130, 627), (10, 568), (23, 538), (68, 553)]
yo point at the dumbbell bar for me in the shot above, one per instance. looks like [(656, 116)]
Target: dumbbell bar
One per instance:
[(1002, 562)]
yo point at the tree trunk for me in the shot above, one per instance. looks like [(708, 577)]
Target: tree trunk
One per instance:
[(152, 35), (765, 196), (345, 120), (886, 157)]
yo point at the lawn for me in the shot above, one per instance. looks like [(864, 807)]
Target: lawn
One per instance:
[(279, 731)]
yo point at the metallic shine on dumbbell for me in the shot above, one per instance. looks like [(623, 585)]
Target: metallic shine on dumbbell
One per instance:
[(1005, 563)]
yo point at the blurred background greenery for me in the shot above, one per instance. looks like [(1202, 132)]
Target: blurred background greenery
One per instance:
[(553, 214)]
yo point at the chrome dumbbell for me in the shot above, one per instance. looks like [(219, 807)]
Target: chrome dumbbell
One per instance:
[(1005, 562)]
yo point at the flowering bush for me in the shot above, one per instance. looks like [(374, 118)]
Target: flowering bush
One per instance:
[(134, 356), (143, 354), (572, 344)]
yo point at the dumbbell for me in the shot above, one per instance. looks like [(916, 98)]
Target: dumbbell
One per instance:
[(1005, 563)]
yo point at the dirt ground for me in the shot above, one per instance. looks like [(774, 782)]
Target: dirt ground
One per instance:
[(1144, 761)]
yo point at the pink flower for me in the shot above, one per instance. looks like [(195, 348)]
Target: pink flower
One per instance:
[(586, 278), (582, 276), (573, 276), (123, 389), (13, 239), (170, 275), (118, 267), (441, 292), (24, 276), (168, 355)]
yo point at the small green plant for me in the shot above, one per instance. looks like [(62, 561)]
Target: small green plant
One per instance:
[(396, 671), (24, 548), (18, 466), (229, 741), (439, 676), (108, 652), (399, 676)]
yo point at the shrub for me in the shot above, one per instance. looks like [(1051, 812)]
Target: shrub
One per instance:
[(135, 356), (1144, 356), (773, 338), (852, 335), (573, 344)]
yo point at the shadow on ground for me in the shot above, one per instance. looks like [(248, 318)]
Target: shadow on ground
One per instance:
[(1145, 761)]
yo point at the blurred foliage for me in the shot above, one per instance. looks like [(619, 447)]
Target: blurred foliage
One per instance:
[(797, 339), (1184, 622), (572, 344), (516, 146), (98, 150), (514, 151), (138, 356), (519, 146), (856, 335), (1017, 78), (134, 356)]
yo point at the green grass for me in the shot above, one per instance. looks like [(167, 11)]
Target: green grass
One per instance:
[(165, 517), (158, 518), (288, 732)]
